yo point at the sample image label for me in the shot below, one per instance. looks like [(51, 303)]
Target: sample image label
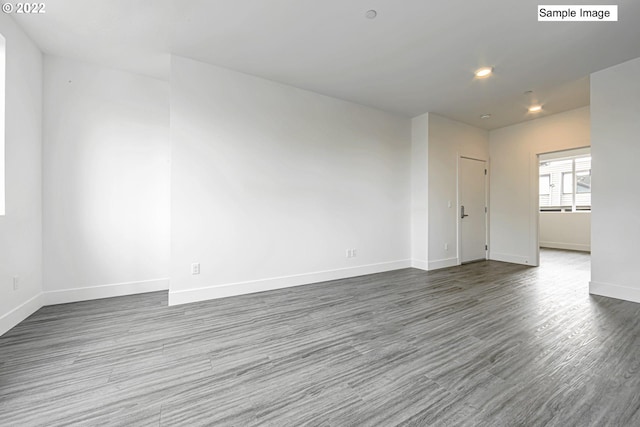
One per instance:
[(577, 12)]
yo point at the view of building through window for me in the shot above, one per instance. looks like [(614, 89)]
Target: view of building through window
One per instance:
[(565, 184)]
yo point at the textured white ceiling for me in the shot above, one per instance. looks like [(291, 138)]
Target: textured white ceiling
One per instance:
[(416, 56)]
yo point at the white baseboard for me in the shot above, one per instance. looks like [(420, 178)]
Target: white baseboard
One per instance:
[(104, 291), (443, 263), (614, 291), (514, 259), (567, 246), (241, 288), (421, 264), (21, 312)]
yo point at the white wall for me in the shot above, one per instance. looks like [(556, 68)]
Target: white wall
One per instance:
[(106, 182), (615, 132), (419, 191), (21, 227), (271, 184), (514, 179), (437, 143), (448, 140), (566, 230), (2, 134)]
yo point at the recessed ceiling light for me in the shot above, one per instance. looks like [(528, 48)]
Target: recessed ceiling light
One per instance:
[(485, 116), (371, 14), (484, 72), (535, 108)]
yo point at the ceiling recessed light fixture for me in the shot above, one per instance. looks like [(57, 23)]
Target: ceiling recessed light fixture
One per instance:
[(485, 116), (484, 72), (371, 14), (535, 108)]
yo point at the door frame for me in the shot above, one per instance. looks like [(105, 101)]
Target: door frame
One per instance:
[(486, 203)]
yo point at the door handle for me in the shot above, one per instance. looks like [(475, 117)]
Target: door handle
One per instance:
[(462, 214)]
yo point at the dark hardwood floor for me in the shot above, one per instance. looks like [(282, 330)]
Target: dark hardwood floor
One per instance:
[(488, 343)]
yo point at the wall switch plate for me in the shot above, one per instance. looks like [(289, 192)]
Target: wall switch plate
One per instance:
[(16, 283), (195, 268), (446, 246), (353, 253)]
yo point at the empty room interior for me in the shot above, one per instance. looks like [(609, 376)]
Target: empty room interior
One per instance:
[(331, 213)]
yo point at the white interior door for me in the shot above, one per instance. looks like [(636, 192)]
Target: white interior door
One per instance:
[(472, 209)]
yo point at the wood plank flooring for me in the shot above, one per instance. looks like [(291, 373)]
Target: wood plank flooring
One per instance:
[(488, 343)]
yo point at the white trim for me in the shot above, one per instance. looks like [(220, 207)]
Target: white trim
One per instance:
[(567, 246), (241, 288), (534, 211), (457, 212), (514, 259), (488, 213), (567, 153), (104, 291), (418, 263), (614, 291), (21, 312), (443, 263)]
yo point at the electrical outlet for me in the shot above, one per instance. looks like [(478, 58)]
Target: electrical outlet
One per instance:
[(353, 253), (195, 268), (347, 253), (16, 283), (446, 246)]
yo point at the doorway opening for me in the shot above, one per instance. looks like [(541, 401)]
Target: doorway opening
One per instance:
[(564, 203)]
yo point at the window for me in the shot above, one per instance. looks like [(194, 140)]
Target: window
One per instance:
[(565, 182), (545, 184), (583, 182)]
